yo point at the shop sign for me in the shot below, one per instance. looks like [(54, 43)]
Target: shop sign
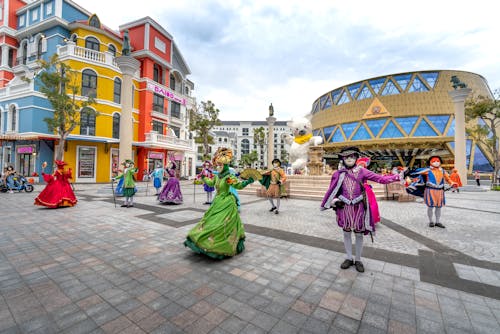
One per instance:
[(155, 155), (167, 93), (25, 149)]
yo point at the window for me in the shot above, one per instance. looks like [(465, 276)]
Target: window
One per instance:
[(176, 131), (86, 162), (172, 81), (94, 22), (89, 83), (92, 43), (117, 90), (48, 8), (11, 57), (158, 127), (244, 131), (158, 102), (22, 20), (176, 110), (13, 117), (25, 52), (116, 126), (112, 50), (87, 122), (245, 146), (34, 15), (157, 73), (39, 48)]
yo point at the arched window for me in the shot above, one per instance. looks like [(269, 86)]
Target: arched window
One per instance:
[(172, 82), (116, 126), (39, 48), (94, 22), (13, 118), (157, 73), (74, 38), (245, 146), (112, 50), (25, 52), (92, 43), (117, 90), (87, 122), (89, 83)]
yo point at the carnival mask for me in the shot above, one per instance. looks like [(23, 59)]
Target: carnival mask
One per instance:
[(350, 160), (435, 162)]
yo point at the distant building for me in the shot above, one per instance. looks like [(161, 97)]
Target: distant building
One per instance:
[(243, 134)]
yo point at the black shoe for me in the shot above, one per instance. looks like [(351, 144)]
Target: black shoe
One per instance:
[(207, 203), (276, 212), (130, 206), (439, 225), (346, 264), (359, 266), (124, 205), (431, 224), (272, 209)]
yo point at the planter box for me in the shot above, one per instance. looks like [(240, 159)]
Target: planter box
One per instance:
[(33, 179)]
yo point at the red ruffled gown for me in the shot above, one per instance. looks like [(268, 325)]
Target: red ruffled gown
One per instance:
[(58, 191)]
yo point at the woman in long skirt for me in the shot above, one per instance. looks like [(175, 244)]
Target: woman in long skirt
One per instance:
[(171, 192)]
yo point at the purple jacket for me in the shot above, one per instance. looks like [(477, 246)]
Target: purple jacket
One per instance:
[(352, 181)]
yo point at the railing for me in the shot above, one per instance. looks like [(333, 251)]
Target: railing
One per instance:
[(169, 140), (72, 50), (11, 90)]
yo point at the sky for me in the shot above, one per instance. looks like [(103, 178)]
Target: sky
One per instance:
[(244, 55)]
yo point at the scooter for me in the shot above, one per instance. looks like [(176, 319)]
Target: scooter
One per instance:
[(20, 184)]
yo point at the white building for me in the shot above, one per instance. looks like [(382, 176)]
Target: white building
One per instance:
[(243, 134)]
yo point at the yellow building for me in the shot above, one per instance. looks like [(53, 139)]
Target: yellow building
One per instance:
[(399, 119), (91, 52)]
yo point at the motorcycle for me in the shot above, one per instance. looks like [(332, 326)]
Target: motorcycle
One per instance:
[(20, 184)]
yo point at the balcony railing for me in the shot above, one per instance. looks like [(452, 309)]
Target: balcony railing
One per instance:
[(72, 50), (154, 137)]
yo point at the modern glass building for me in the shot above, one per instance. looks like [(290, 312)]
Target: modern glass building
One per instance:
[(399, 119)]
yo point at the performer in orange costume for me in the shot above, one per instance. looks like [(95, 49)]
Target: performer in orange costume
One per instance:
[(455, 177), (58, 191), (434, 178)]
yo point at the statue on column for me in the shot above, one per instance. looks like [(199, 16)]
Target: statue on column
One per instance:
[(456, 83), (126, 44), (271, 110)]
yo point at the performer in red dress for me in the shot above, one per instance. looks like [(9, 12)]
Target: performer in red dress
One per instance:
[(57, 192)]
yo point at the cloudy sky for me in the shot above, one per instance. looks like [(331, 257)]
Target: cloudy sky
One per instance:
[(246, 54)]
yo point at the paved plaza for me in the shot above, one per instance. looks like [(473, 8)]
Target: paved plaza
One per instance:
[(97, 268)]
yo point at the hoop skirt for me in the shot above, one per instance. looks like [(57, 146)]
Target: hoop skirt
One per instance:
[(57, 193), (171, 192), (220, 233)]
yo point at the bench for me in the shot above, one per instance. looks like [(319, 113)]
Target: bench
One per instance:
[(396, 191)]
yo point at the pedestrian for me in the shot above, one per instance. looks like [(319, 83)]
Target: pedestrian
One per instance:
[(477, 177), (346, 195), (455, 177), (9, 176)]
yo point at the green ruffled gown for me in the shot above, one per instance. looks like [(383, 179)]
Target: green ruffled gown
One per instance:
[(220, 233)]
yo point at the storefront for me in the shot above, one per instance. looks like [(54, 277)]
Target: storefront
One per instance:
[(155, 159), (86, 158), (26, 159)]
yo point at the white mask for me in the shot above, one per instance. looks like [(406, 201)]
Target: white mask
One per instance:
[(276, 165), (349, 161), (436, 164)]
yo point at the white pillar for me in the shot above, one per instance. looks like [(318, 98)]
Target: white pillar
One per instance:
[(458, 97), (270, 140), (5, 55), (128, 65)]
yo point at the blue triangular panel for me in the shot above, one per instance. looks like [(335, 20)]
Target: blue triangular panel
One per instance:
[(377, 84), (328, 132), (417, 86), (424, 130), (439, 121), (403, 80), (451, 130), (337, 137), (430, 77), (480, 162), (361, 134), (407, 123), (364, 94), (375, 125), (391, 131), (349, 128), (343, 99)]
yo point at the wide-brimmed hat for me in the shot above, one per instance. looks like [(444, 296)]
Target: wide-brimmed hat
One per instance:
[(346, 151), (276, 160), (434, 156), (60, 163)]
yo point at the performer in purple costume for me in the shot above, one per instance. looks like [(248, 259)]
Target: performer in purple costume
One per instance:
[(346, 196), (207, 172), (171, 192)]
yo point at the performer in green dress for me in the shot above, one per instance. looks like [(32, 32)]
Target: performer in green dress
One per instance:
[(220, 233), (129, 189)]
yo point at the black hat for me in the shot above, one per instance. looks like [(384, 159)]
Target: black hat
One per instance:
[(346, 151), (276, 160), (434, 156)]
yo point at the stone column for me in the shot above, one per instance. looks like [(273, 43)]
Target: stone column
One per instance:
[(270, 140), (5, 55), (458, 97), (128, 65)]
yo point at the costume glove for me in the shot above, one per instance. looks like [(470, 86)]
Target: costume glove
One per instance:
[(339, 204), (247, 182)]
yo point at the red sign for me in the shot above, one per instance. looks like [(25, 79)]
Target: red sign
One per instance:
[(25, 150), (155, 155)]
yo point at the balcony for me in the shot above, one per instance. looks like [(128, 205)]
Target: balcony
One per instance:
[(170, 142), (92, 56)]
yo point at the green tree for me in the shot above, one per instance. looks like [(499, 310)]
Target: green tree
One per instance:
[(259, 136), (61, 86), (284, 157), (487, 109), (202, 119), (249, 159)]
